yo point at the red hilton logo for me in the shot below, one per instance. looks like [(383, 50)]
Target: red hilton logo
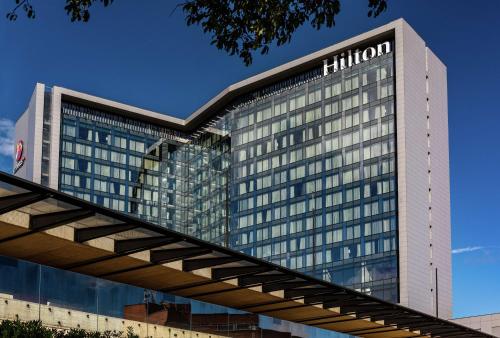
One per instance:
[(20, 159)]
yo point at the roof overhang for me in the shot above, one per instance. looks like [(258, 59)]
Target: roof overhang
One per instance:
[(45, 226)]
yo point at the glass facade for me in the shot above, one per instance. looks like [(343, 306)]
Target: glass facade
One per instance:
[(152, 172), (314, 179), (302, 173), (66, 299)]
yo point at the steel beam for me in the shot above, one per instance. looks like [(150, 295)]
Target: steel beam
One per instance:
[(195, 264), (396, 316), (463, 334), (341, 296), (87, 234), (425, 329), (128, 246), (345, 302), (303, 292), (306, 321), (446, 331), (54, 219), (170, 255), (219, 273), (13, 202), (334, 321), (263, 279), (371, 331), (117, 272), (359, 308), (405, 322), (370, 313), (50, 220), (284, 285), (284, 300)]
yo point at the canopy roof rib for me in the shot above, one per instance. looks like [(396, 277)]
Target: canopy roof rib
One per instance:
[(48, 227)]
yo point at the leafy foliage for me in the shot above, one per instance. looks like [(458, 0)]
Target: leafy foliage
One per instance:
[(376, 7), (17, 329), (35, 329), (77, 10), (239, 27), (243, 26), (130, 333), (26, 7)]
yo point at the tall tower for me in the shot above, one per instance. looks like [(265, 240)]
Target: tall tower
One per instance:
[(334, 164)]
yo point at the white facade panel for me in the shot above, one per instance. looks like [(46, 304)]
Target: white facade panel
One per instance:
[(55, 137), (412, 170), (423, 176), (440, 183), (29, 129), (489, 323)]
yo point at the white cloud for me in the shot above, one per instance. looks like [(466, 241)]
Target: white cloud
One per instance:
[(466, 249), (6, 137)]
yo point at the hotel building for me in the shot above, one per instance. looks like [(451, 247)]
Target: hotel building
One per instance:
[(334, 164)]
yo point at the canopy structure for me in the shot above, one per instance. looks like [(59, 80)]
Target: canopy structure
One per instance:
[(45, 226)]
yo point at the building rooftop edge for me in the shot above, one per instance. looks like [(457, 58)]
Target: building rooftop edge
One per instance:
[(477, 316), (232, 91)]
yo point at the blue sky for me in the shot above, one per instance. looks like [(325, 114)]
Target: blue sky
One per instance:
[(138, 53)]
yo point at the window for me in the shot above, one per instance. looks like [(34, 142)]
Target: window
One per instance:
[(280, 108), (313, 150), (337, 235), (297, 101), (103, 137), (385, 90), (351, 120), (350, 102), (263, 114), (278, 126), (82, 149), (371, 74), (333, 89), (370, 94), (314, 95), (69, 130), (331, 108), (351, 82), (296, 120), (137, 146), (313, 114), (68, 146), (85, 132)]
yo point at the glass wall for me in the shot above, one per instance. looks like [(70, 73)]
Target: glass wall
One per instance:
[(314, 179), (65, 299), (105, 160), (302, 173), (152, 172)]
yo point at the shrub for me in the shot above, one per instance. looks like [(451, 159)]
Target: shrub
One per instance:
[(35, 329), (18, 329)]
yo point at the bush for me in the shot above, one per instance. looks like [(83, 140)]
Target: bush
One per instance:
[(18, 329), (130, 333), (35, 329)]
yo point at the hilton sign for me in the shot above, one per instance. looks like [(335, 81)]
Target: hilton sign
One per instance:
[(349, 58)]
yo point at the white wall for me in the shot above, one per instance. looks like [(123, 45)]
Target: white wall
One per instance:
[(486, 323), (423, 179), (440, 181), (55, 134), (29, 128)]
